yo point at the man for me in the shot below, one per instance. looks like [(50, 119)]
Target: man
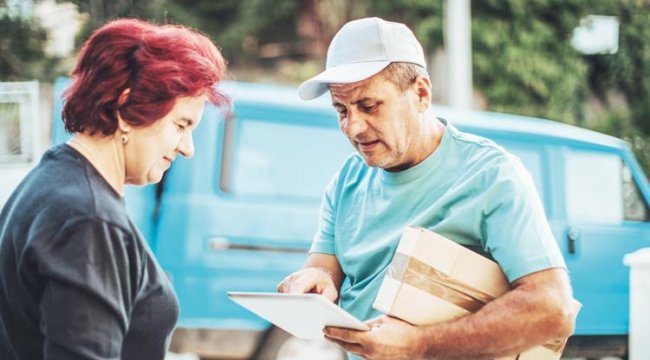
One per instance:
[(414, 169)]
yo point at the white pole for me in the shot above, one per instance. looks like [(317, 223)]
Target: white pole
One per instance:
[(639, 263), (458, 41)]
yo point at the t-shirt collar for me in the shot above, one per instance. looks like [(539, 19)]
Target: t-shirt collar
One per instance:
[(429, 164)]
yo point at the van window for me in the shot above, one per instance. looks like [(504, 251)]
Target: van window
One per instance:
[(600, 188), (10, 146), (18, 121), (271, 158), (635, 207)]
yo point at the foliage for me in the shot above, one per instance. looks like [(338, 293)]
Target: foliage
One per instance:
[(21, 50), (628, 69), (243, 27), (424, 17), (625, 72), (523, 60), (101, 11)]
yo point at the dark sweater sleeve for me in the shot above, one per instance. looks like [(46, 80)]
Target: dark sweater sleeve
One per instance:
[(90, 271)]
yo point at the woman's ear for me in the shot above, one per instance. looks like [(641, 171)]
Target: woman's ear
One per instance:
[(124, 97)]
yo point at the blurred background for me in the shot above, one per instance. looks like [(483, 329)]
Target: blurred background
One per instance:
[(580, 62), (543, 58)]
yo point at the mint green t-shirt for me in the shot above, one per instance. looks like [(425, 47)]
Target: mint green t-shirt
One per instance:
[(469, 190)]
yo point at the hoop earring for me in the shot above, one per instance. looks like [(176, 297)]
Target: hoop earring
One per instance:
[(124, 138)]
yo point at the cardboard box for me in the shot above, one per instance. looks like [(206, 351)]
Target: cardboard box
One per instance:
[(433, 279)]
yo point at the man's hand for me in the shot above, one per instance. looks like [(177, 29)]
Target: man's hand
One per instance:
[(310, 280), (388, 338)]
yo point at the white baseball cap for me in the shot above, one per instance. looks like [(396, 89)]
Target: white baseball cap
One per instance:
[(361, 49)]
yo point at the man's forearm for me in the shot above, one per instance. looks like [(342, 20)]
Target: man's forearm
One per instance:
[(533, 313), (328, 264)]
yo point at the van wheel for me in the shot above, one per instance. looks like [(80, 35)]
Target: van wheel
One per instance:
[(279, 345)]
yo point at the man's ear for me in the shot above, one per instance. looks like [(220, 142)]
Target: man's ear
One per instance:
[(124, 97), (423, 90)]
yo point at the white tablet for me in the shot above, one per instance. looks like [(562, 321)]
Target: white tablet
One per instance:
[(301, 315)]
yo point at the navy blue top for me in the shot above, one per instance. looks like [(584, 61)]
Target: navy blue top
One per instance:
[(77, 280)]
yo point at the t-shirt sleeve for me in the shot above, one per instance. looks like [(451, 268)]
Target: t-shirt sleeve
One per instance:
[(91, 272), (323, 241), (514, 225)]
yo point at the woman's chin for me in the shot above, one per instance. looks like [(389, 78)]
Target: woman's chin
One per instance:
[(151, 178)]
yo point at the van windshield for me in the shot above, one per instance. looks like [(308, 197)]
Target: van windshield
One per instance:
[(281, 159)]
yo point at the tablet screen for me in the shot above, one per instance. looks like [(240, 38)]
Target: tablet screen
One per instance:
[(301, 315)]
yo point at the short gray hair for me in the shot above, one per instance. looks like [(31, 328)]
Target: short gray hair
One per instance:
[(403, 74)]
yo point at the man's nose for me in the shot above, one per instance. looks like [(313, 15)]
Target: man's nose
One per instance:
[(355, 124)]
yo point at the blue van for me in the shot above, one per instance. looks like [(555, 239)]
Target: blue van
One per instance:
[(240, 215)]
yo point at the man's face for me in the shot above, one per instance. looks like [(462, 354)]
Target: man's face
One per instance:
[(380, 121)]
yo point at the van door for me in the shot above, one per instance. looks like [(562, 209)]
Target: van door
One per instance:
[(608, 217)]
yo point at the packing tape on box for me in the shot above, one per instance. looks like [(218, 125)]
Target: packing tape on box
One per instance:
[(416, 273)]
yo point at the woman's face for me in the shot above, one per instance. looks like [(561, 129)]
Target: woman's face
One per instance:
[(150, 150)]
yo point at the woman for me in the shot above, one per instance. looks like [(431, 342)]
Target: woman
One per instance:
[(77, 281)]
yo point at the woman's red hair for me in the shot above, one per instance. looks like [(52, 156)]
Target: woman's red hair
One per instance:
[(158, 63)]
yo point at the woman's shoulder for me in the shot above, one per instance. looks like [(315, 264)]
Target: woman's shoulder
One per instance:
[(63, 187)]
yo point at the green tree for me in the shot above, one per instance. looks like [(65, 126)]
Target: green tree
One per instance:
[(625, 72), (248, 31), (101, 11), (21, 50), (522, 58), (523, 61), (628, 69), (424, 17)]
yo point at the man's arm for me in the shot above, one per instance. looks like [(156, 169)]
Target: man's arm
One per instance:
[(321, 274), (538, 309)]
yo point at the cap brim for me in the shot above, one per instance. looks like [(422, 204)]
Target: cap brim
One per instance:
[(343, 74)]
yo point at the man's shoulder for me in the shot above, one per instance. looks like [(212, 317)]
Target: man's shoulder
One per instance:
[(479, 148), (481, 155), (476, 143)]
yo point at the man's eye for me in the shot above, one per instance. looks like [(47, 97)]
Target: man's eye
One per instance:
[(341, 111), (368, 107)]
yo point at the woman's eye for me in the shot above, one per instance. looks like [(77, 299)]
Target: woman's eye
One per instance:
[(181, 127)]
